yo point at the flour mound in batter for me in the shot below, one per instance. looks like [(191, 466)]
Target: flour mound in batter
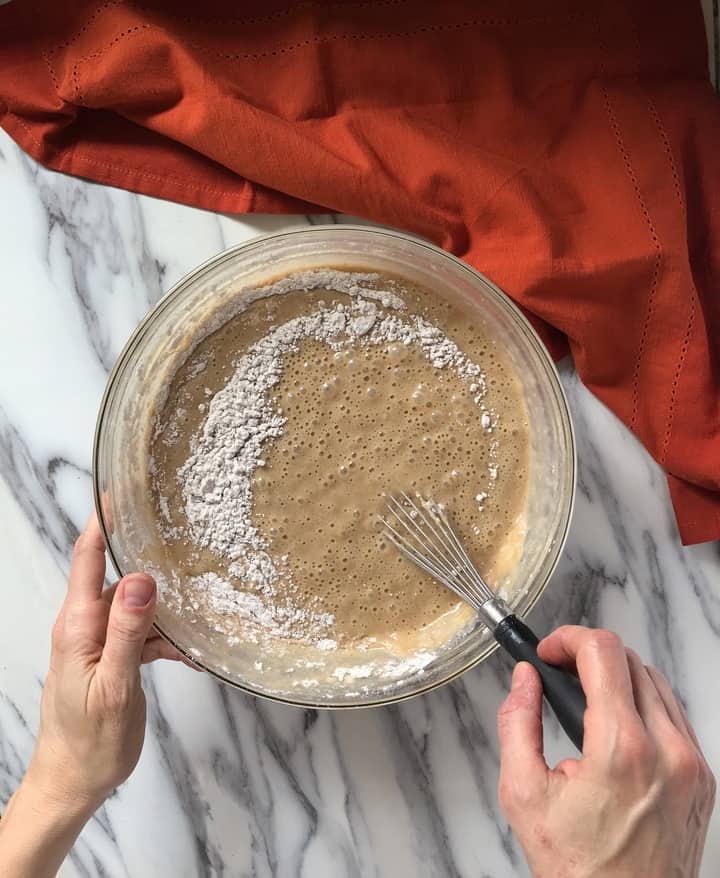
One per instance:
[(284, 430)]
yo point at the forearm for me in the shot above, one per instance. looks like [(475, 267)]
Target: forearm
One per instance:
[(37, 830)]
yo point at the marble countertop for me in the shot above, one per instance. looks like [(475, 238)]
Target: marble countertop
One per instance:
[(229, 785)]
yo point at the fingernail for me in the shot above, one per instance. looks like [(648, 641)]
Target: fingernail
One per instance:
[(138, 590)]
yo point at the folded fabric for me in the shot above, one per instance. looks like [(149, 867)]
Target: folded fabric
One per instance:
[(569, 151)]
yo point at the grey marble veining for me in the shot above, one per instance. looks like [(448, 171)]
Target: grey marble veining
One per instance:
[(229, 785)]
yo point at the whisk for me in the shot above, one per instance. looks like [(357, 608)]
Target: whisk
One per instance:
[(420, 529)]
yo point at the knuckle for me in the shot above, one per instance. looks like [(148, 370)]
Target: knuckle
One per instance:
[(75, 618), (80, 545), (706, 782), (684, 763), (505, 797), (78, 625), (712, 780), (561, 631), (711, 784), (509, 709), (635, 751), (602, 638), (118, 694), (124, 631), (121, 698), (516, 796), (506, 710)]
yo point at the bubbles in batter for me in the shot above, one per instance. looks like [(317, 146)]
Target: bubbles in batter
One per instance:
[(359, 420)]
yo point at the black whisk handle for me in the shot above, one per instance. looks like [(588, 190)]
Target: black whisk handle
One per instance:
[(562, 688)]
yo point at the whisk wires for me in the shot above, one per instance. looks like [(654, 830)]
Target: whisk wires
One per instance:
[(422, 532)]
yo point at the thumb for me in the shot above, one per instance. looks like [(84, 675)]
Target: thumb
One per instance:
[(523, 770), (131, 616)]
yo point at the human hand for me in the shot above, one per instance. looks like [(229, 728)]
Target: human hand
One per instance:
[(638, 802), (92, 718), (92, 722)]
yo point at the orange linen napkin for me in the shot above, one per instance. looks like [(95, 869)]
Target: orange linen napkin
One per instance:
[(571, 151)]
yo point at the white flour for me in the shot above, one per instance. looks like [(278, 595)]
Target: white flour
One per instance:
[(216, 479), (417, 663), (267, 618)]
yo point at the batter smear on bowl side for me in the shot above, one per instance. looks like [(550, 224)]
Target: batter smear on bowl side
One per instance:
[(281, 433)]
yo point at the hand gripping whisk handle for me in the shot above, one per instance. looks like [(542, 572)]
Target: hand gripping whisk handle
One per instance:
[(562, 689), (422, 532)]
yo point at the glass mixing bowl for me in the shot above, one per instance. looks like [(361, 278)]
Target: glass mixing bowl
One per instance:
[(135, 392)]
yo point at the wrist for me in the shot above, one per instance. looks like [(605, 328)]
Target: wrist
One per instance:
[(55, 793), (57, 777), (38, 828)]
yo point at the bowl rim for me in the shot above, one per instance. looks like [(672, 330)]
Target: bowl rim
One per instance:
[(503, 300)]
